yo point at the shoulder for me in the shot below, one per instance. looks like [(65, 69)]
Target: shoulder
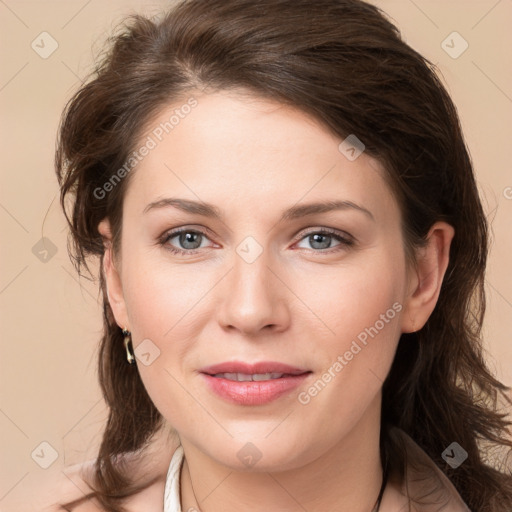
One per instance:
[(70, 485), (425, 485), (48, 491), (68, 490)]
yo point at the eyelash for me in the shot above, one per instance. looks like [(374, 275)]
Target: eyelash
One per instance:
[(345, 242)]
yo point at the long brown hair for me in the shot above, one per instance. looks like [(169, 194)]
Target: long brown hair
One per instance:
[(343, 62)]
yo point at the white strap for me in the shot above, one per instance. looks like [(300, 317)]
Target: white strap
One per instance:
[(172, 482)]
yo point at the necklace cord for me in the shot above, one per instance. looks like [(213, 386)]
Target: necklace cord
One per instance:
[(385, 476), (376, 507)]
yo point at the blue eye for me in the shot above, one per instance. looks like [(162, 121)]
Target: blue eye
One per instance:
[(188, 238), (191, 240), (322, 239)]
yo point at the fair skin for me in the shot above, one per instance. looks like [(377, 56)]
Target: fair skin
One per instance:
[(296, 303)]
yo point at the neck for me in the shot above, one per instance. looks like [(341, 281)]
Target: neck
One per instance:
[(346, 477)]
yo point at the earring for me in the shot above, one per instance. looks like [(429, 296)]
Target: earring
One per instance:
[(128, 346)]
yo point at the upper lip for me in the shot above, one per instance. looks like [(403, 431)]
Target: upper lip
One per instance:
[(251, 369)]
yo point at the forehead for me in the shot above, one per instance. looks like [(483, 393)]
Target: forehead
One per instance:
[(236, 147)]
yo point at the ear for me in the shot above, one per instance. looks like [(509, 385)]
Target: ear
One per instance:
[(113, 278), (426, 279)]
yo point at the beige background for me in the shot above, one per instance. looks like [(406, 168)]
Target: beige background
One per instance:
[(51, 322)]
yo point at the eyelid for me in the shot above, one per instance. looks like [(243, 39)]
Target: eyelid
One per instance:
[(325, 230), (176, 231), (171, 233), (345, 239)]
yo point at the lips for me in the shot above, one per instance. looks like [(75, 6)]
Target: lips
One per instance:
[(261, 367), (253, 384)]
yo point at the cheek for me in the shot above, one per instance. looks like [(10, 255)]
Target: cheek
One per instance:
[(362, 311), (160, 296), (169, 306), (352, 296), (160, 302), (358, 310)]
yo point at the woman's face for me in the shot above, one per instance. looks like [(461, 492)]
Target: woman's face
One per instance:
[(260, 282)]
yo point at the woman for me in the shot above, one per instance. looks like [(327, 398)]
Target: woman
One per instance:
[(292, 255)]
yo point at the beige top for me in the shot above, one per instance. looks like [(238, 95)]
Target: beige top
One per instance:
[(60, 486), (427, 480), (426, 489)]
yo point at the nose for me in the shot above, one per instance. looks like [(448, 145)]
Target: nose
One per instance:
[(255, 297)]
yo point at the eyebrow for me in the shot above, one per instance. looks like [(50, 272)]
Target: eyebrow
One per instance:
[(294, 212)]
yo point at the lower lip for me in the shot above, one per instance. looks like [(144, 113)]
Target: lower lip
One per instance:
[(253, 392)]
